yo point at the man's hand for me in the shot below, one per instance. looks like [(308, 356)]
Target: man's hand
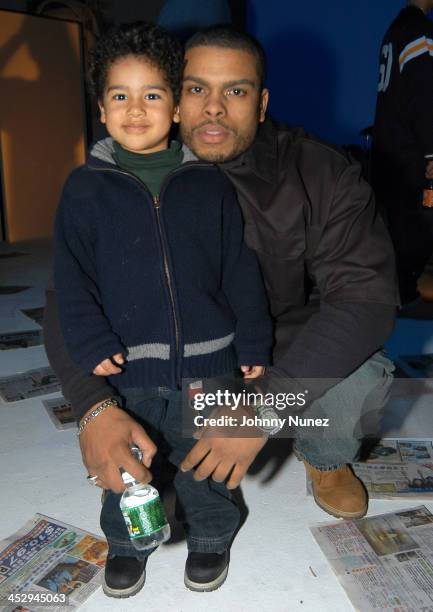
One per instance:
[(107, 367), (221, 457), (252, 371), (429, 170), (105, 443)]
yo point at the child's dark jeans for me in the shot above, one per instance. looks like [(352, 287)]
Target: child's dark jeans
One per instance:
[(206, 509)]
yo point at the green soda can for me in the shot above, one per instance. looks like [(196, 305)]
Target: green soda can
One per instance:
[(143, 511)]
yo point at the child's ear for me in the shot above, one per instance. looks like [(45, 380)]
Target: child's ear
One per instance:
[(176, 115), (102, 111)]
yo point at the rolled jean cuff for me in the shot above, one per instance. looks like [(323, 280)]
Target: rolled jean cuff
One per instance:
[(126, 549), (320, 466), (209, 545)]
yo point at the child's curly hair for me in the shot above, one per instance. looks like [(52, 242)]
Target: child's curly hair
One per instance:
[(147, 41)]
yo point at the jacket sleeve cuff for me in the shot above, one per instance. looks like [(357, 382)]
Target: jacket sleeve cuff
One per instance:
[(79, 409), (90, 361), (248, 358)]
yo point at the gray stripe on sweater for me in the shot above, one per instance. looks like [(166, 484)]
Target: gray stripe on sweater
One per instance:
[(149, 351), (162, 351), (210, 346)]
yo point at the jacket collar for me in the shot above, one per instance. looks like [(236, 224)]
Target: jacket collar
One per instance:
[(101, 153), (261, 158)]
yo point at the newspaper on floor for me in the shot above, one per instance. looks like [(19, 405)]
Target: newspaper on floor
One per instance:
[(60, 412), (48, 562), (383, 562), (35, 314), (21, 339), (397, 469), (396, 481), (11, 289), (41, 381)]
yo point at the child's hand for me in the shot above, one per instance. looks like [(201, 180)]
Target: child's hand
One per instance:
[(108, 367), (253, 371)]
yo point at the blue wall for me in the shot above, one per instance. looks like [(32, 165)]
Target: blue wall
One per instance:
[(323, 60)]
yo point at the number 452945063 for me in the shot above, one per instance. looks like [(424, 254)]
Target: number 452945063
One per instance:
[(29, 597)]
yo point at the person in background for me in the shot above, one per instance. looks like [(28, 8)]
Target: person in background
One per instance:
[(402, 137)]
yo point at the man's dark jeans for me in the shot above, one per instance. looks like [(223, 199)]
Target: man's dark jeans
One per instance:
[(207, 509)]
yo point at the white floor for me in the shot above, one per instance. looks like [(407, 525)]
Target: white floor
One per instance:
[(275, 565)]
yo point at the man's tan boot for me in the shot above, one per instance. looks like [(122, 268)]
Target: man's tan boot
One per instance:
[(338, 492)]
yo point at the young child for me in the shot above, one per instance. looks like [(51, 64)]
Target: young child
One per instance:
[(152, 274)]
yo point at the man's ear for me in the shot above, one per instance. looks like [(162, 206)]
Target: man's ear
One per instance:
[(176, 115), (264, 100), (102, 111)]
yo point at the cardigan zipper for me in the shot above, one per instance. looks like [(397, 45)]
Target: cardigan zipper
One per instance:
[(156, 206), (157, 203)]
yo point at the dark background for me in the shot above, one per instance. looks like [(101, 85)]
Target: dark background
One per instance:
[(132, 10), (323, 56)]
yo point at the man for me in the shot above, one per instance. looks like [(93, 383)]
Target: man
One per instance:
[(327, 264), (403, 136)]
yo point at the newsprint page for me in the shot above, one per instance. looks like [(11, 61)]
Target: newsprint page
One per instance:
[(383, 562), (49, 563)]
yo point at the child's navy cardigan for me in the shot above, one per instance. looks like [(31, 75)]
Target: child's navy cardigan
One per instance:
[(166, 281)]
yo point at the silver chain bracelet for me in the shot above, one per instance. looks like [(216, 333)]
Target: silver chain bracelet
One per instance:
[(109, 402)]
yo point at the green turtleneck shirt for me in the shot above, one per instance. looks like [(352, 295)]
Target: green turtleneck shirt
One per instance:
[(150, 168)]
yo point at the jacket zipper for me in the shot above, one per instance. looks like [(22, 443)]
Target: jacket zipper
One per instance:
[(157, 206)]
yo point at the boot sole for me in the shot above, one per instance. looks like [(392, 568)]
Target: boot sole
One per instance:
[(340, 514), (125, 593), (205, 587)]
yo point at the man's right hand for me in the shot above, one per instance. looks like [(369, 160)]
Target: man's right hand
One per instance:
[(429, 170), (105, 446)]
